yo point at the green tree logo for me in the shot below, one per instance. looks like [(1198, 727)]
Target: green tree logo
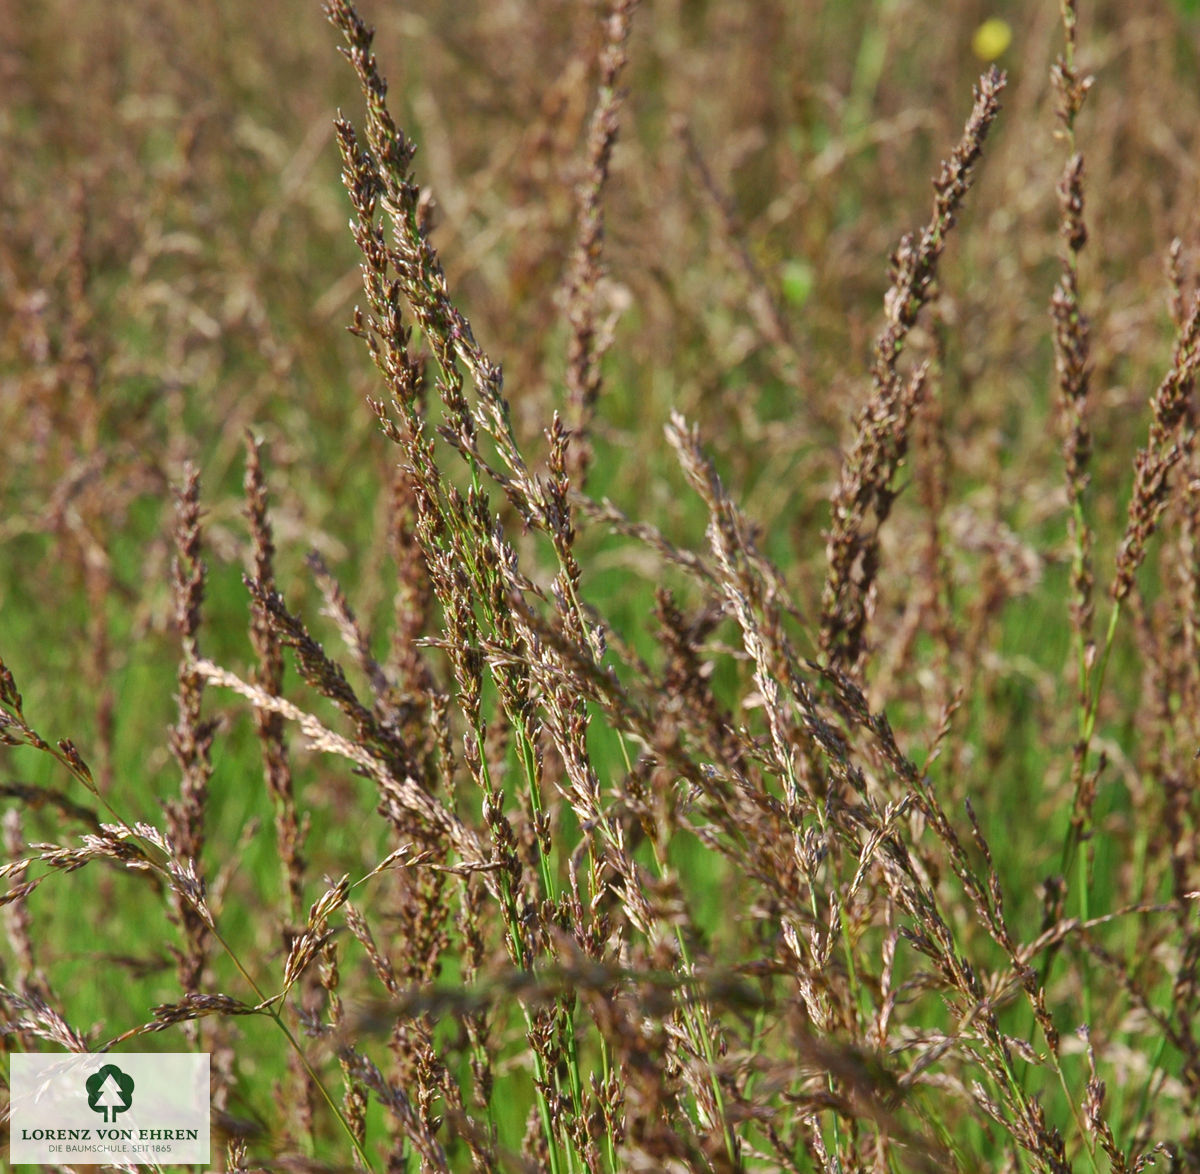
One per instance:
[(110, 1091)]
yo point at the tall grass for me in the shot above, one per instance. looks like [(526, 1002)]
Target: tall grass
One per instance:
[(763, 728)]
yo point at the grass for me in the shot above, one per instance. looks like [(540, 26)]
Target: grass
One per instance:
[(756, 724)]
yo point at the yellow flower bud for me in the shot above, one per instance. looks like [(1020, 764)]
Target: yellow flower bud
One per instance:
[(991, 39)]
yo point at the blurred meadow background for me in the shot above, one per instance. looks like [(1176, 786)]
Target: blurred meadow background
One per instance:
[(176, 273)]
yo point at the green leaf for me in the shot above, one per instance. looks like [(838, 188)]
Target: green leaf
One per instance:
[(797, 281)]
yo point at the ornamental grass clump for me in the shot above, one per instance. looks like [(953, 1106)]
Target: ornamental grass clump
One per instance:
[(606, 826)]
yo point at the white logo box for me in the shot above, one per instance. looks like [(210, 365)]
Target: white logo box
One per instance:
[(131, 1108)]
